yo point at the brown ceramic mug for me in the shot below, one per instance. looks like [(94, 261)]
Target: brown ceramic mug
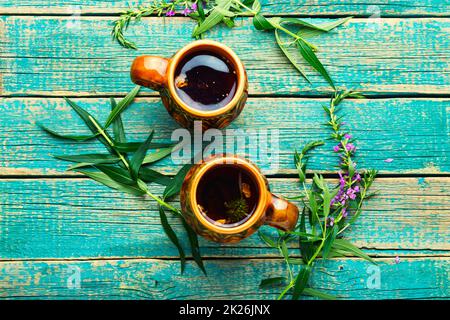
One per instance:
[(158, 74), (269, 209)]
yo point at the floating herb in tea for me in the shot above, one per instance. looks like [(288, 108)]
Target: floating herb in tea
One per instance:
[(329, 210), (227, 195)]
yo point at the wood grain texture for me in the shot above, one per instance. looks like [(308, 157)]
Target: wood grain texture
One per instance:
[(228, 279), (413, 132), (78, 218), (64, 56), (288, 7)]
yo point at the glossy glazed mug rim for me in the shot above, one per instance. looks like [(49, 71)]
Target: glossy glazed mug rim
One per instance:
[(221, 50), (249, 168)]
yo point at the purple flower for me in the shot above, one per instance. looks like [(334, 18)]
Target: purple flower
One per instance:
[(350, 147), (344, 212), (170, 13), (351, 193), (194, 6), (357, 177), (336, 148), (341, 180), (397, 260), (330, 221), (347, 136), (356, 189), (187, 11)]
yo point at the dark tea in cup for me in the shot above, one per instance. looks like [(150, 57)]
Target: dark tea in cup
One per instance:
[(227, 195)]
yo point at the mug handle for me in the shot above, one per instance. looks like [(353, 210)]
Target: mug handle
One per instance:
[(150, 72), (281, 213)]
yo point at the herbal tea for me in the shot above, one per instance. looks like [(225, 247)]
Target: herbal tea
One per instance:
[(227, 195), (205, 81)]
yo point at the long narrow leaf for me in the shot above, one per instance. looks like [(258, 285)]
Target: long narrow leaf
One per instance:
[(346, 246), (301, 281), (121, 106), (107, 181), (91, 122), (133, 146), (118, 174), (271, 282), (172, 236), (214, 18), (138, 157), (318, 294), (89, 158), (149, 175), (118, 130), (158, 155), (66, 136), (310, 33), (175, 186), (195, 249), (309, 55), (289, 57)]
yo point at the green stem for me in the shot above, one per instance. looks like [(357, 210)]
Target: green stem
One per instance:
[(162, 203), (110, 142), (246, 8)]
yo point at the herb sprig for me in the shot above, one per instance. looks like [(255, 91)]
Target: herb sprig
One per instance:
[(328, 210), (126, 167), (296, 31)]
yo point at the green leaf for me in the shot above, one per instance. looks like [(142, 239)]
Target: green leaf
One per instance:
[(158, 155), (118, 130), (346, 246), (289, 56), (302, 23), (66, 136), (306, 247), (175, 186), (301, 281), (118, 174), (107, 181), (149, 175), (270, 242), (318, 294), (256, 6), (214, 18), (172, 236), (309, 55), (331, 236), (91, 122), (121, 106), (133, 146), (139, 156), (310, 33), (91, 158), (270, 282), (195, 249), (284, 250)]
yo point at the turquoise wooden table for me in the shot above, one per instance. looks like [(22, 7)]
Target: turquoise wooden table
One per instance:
[(54, 223)]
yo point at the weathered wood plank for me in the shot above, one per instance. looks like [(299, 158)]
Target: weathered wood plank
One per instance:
[(420, 278), (77, 218), (63, 56), (412, 132), (309, 7)]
